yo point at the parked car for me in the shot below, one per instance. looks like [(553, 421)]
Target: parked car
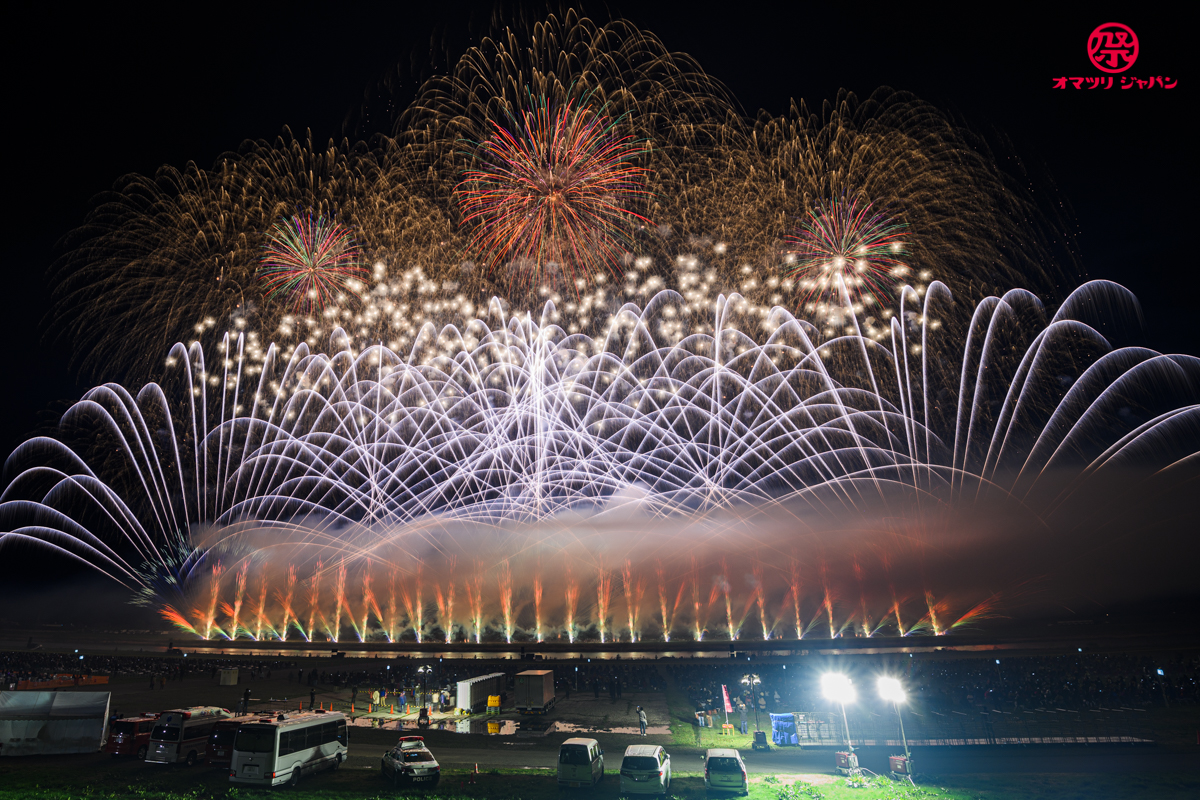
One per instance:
[(724, 771), (410, 763), (645, 769), (130, 736), (580, 763)]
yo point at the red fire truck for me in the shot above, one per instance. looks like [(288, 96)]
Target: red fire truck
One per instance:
[(130, 736)]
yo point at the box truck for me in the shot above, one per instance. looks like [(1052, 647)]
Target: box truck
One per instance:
[(535, 691)]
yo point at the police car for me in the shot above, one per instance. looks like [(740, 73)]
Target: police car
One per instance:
[(410, 763)]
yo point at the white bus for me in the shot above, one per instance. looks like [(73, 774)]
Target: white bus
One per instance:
[(182, 734), (274, 750)]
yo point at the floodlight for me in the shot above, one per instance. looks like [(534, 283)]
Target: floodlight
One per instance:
[(891, 690), (838, 688)]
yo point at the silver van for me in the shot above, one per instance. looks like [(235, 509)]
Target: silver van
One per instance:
[(580, 763), (724, 771), (646, 769)]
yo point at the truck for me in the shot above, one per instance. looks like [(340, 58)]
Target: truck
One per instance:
[(473, 692), (535, 691)]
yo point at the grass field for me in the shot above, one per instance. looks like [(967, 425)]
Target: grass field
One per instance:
[(52, 779)]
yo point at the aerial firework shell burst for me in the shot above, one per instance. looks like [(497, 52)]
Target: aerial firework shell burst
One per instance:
[(308, 262), (846, 254), (554, 189)]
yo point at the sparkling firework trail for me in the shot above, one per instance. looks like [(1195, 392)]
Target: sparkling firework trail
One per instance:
[(667, 617), (603, 594), (368, 605), (634, 589), (730, 626), (392, 626), (475, 600), (537, 602), (314, 600), (210, 611), (760, 598), (504, 578), (260, 610), (285, 602), (572, 597), (340, 604)]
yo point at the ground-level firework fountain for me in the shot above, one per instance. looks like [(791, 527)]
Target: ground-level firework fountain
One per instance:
[(758, 481)]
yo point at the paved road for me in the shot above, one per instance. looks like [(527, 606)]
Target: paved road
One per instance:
[(543, 754)]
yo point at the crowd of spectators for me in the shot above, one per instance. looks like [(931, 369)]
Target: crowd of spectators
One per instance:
[(949, 682)]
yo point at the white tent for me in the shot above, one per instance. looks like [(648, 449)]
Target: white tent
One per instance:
[(43, 723)]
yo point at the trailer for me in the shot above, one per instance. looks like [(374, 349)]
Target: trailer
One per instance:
[(535, 691), (473, 692)]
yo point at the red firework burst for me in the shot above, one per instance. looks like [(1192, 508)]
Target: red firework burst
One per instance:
[(843, 244), (308, 262), (551, 198)]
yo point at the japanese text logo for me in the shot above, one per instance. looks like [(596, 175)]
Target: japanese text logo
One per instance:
[(1113, 47)]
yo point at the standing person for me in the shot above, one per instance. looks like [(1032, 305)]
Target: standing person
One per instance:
[(568, 687), (596, 687), (312, 699), (618, 681), (246, 701), (152, 682), (745, 719), (353, 694), (642, 719)]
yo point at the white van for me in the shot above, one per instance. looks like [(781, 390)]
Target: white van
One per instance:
[(580, 763), (645, 769), (182, 734), (281, 749), (724, 771)]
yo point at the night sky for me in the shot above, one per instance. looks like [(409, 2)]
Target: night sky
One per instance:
[(94, 94)]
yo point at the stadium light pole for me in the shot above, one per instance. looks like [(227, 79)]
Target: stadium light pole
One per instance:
[(424, 673), (891, 690), (838, 688)]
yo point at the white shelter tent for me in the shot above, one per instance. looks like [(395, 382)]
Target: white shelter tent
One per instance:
[(45, 723)]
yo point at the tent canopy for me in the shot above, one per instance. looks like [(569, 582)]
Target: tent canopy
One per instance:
[(42, 723)]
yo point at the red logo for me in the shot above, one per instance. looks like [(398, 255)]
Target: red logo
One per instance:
[(1113, 47)]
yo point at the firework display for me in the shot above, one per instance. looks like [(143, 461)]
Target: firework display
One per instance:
[(579, 351), (551, 194), (337, 492), (846, 255), (308, 263), (549, 163)]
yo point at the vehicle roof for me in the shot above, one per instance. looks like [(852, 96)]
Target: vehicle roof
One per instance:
[(232, 722), (584, 742), (643, 749), (140, 718), (304, 718), (722, 752), (536, 672)]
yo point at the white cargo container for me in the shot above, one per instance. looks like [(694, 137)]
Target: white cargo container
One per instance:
[(473, 692)]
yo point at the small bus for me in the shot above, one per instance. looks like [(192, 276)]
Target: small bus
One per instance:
[(182, 734), (281, 749), (130, 736), (220, 741)]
